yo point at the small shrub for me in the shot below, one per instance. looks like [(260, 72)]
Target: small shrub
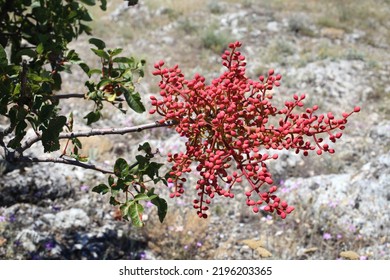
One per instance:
[(214, 40)]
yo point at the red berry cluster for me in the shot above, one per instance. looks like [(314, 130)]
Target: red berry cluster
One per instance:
[(229, 121)]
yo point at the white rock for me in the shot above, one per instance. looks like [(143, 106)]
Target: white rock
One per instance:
[(273, 26), (71, 218), (357, 201)]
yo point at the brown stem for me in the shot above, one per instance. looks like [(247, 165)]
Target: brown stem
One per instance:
[(65, 161), (79, 95), (93, 132)]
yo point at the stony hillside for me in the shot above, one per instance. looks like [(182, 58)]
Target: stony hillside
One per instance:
[(336, 53)]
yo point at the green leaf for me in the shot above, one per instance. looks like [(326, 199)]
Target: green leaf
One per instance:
[(86, 17), (40, 48), (20, 132), (103, 6), (82, 158), (121, 168), (50, 139), (103, 82), (34, 77), (134, 102), (102, 189), (57, 81), (92, 117), (141, 160), (3, 57), (162, 207), (72, 15), (88, 2), (111, 180), (46, 112), (152, 169), (135, 211), (76, 143), (122, 59), (113, 201), (141, 196), (94, 71), (98, 43), (72, 56), (28, 52), (132, 2), (101, 53), (115, 52), (145, 147), (121, 185), (125, 209), (85, 68)]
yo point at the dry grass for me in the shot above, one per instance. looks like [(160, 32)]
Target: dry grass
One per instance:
[(182, 236), (182, 7), (366, 15)]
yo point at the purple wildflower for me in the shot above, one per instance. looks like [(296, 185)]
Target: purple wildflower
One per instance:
[(149, 204), (327, 236), (84, 188), (49, 245), (12, 218), (142, 255)]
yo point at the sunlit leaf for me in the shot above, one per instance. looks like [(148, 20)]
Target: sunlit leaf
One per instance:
[(136, 211), (121, 168), (101, 53)]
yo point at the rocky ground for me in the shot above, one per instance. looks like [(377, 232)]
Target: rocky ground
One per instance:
[(338, 54)]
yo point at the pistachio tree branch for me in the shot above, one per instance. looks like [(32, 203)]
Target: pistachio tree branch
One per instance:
[(79, 95), (65, 161), (94, 132)]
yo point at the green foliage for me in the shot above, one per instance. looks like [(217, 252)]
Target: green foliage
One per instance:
[(131, 180), (117, 76), (215, 41), (34, 53), (37, 34)]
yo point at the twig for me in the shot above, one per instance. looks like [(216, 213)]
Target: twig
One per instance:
[(65, 161), (79, 95), (94, 132)]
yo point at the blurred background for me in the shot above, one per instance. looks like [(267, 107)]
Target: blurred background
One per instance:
[(336, 52)]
